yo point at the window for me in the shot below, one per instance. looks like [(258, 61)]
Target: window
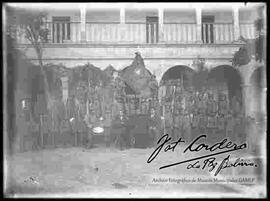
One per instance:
[(60, 29), (151, 29), (208, 29)]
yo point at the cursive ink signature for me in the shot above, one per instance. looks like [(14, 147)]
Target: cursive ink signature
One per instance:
[(222, 147), (225, 163)]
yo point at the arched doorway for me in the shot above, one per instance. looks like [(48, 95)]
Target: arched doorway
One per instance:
[(225, 96), (176, 88), (257, 103), (177, 79), (226, 80), (179, 72)]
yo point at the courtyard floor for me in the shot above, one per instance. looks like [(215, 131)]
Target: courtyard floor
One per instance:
[(109, 172)]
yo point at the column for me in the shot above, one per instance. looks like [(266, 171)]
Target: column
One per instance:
[(245, 98), (160, 23), (199, 24), (122, 35), (236, 27), (247, 105), (83, 22), (122, 15)]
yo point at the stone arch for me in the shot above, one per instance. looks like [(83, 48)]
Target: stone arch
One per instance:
[(258, 71), (178, 72), (227, 79)]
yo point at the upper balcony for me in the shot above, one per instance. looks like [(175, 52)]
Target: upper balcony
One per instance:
[(162, 25)]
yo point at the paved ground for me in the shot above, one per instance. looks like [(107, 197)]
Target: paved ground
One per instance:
[(106, 172)]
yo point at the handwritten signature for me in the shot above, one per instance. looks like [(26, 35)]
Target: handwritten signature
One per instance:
[(222, 147)]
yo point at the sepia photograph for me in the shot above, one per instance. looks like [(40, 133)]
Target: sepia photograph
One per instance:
[(134, 100)]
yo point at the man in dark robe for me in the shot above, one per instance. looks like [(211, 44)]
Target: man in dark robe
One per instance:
[(119, 130)]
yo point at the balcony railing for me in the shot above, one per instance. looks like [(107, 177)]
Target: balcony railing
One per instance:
[(115, 33), (69, 32), (179, 33), (247, 30), (138, 33), (217, 32)]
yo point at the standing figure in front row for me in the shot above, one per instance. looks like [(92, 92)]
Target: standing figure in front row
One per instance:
[(230, 126), (222, 104), (195, 124), (186, 127), (119, 130), (211, 112), (177, 132), (107, 126), (154, 126), (168, 120)]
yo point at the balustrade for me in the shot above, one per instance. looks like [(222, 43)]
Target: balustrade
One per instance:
[(137, 33)]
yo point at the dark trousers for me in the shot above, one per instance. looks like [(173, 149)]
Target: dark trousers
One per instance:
[(35, 137), (118, 138), (120, 141), (154, 136), (89, 143), (66, 138), (107, 136), (176, 133)]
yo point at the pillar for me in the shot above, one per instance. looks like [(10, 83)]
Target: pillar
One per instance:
[(122, 15), (160, 23), (199, 24), (236, 27), (83, 22), (122, 35), (246, 98)]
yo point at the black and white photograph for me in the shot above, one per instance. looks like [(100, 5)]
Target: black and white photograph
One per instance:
[(134, 100)]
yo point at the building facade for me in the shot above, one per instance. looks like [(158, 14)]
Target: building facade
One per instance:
[(166, 35)]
